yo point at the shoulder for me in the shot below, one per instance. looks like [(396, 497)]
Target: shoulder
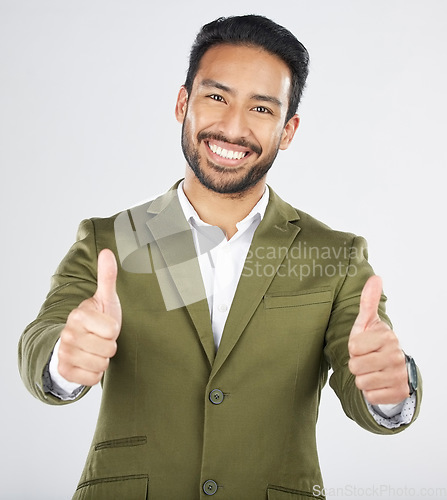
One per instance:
[(135, 217), (128, 230), (315, 233), (311, 229), (312, 225)]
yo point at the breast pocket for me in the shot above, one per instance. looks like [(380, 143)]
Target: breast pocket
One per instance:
[(302, 298), (305, 311), (133, 487)]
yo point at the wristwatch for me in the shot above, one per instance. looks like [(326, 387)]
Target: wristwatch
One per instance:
[(412, 374)]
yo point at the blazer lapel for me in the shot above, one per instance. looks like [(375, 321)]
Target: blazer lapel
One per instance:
[(275, 230), (176, 265)]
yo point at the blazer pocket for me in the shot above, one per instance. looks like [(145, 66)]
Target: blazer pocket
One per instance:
[(134, 487), (121, 443), (279, 493), (304, 298)]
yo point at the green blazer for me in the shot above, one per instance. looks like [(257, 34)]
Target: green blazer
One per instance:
[(179, 420)]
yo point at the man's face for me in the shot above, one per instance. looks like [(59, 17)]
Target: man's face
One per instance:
[(234, 119)]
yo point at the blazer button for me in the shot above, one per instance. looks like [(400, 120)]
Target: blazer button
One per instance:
[(216, 396), (210, 487)]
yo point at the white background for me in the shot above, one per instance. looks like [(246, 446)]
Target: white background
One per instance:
[(87, 128)]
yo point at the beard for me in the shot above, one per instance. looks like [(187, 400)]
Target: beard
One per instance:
[(225, 180)]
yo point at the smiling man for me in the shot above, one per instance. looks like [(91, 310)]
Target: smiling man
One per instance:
[(213, 314)]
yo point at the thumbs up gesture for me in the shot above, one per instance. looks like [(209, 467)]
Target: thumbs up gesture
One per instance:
[(88, 340), (376, 359)]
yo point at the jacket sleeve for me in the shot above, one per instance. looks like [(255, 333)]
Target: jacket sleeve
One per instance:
[(344, 313), (73, 282)]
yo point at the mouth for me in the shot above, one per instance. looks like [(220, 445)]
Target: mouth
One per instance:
[(226, 153)]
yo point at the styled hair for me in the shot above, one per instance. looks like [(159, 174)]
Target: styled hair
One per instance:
[(258, 31)]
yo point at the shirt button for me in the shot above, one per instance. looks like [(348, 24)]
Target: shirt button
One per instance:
[(222, 308), (216, 396), (210, 487)]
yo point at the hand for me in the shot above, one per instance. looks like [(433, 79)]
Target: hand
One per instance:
[(377, 361), (88, 340)]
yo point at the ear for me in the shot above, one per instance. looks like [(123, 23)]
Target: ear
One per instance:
[(181, 104), (289, 131)]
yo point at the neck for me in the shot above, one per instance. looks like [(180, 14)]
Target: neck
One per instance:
[(221, 210)]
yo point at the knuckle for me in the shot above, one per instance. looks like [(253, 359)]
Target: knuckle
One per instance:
[(97, 364), (104, 364), (75, 316), (352, 346), (91, 378), (63, 355), (399, 394), (359, 382), (96, 378), (64, 370), (402, 395), (352, 365), (398, 360), (390, 337), (372, 399), (67, 337), (113, 348)]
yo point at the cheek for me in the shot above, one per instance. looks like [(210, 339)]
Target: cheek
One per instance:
[(204, 116), (191, 128), (270, 137)]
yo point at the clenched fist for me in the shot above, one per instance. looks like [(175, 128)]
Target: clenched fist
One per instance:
[(88, 340), (376, 359)]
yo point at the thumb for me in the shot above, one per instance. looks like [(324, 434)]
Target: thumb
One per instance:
[(105, 295), (369, 305)]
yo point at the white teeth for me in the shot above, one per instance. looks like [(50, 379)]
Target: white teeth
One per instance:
[(224, 153)]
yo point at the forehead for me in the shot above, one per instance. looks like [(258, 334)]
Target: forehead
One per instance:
[(245, 69)]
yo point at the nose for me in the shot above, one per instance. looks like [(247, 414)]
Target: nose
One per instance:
[(234, 123)]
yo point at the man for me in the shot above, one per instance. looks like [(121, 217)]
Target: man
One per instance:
[(212, 314)]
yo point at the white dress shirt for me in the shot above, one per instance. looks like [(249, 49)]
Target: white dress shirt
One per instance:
[(221, 263)]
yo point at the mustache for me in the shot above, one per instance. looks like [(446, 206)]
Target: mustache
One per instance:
[(206, 136)]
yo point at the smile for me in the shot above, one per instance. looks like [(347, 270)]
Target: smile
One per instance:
[(227, 154)]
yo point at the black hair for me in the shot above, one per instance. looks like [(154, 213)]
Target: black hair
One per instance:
[(259, 31)]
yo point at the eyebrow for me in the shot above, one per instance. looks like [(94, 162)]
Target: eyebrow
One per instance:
[(213, 83), (267, 98), (255, 97)]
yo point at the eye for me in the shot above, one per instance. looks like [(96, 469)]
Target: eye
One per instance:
[(262, 109), (216, 97)]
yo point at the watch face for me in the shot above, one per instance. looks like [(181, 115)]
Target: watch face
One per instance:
[(412, 374)]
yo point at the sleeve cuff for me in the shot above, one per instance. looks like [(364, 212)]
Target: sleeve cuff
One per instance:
[(393, 416)]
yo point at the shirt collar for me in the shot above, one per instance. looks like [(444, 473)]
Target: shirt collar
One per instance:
[(192, 216)]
